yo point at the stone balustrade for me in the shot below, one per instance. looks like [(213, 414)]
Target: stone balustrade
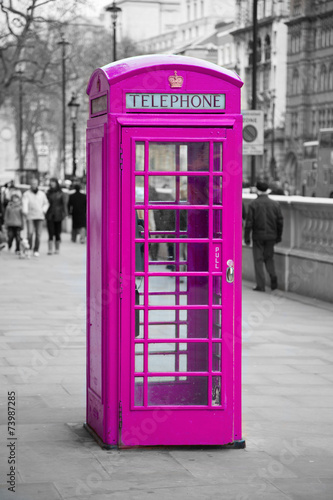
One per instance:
[(304, 258)]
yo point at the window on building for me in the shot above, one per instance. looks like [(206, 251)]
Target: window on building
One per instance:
[(327, 33), (323, 38), (259, 50), (330, 77), (331, 35), (314, 122), (202, 8), (227, 54), (195, 13), (188, 11), (295, 82), (294, 125), (267, 48), (323, 78), (314, 78), (250, 52)]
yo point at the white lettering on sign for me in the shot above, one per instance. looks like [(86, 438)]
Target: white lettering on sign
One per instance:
[(175, 101), (217, 258)]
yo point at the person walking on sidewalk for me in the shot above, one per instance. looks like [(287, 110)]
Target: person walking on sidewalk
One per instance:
[(265, 221), (55, 215), (77, 207), (14, 222), (34, 206)]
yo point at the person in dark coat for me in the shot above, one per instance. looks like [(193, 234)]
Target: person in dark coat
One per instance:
[(57, 211), (77, 207), (264, 219)]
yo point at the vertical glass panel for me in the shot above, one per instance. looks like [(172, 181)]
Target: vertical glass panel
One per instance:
[(139, 189), (170, 157), (217, 153), (164, 357), (161, 316), (162, 156), (139, 290), (139, 257), (216, 361), (162, 331), (139, 156), (183, 157), (161, 357), (138, 391), (139, 357), (162, 188), (197, 190), (216, 391), (139, 323), (198, 156), (217, 223), (217, 326), (178, 392), (217, 290), (217, 190), (140, 224)]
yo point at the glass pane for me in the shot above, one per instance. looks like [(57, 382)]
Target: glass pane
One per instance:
[(139, 156), (139, 322), (138, 391), (164, 324), (179, 223), (139, 357), (171, 157), (139, 257), (216, 391), (216, 361), (192, 190), (162, 188), (180, 391), (140, 224), (217, 223), (164, 357), (180, 257), (217, 326), (217, 160), (217, 290), (139, 290), (139, 189), (217, 190), (162, 156)]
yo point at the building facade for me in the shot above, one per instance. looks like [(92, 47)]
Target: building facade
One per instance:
[(271, 54), (195, 33), (310, 79)]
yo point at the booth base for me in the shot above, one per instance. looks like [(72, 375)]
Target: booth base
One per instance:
[(98, 440), (239, 444)]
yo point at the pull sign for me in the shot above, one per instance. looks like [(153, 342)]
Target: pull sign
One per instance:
[(217, 257)]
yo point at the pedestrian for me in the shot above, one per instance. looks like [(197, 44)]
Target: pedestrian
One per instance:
[(9, 190), (55, 214), (14, 222), (77, 208), (264, 219), (34, 205)]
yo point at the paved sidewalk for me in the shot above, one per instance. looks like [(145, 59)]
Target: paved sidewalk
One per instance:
[(287, 415)]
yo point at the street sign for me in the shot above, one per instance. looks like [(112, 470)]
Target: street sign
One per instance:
[(253, 132)]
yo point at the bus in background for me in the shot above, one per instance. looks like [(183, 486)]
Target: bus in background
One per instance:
[(309, 168), (324, 187)]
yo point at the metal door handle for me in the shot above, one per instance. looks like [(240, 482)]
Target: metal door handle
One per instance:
[(230, 274)]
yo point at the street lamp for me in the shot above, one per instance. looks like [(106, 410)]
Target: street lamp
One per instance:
[(20, 72), (114, 14), (74, 108), (63, 44)]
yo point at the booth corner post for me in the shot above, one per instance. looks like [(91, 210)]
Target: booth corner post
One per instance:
[(164, 186)]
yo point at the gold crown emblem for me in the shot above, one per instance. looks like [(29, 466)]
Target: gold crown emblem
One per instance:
[(176, 81)]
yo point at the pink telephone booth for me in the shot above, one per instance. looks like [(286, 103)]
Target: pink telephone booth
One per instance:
[(164, 153)]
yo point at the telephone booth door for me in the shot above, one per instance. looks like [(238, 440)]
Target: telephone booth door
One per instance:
[(178, 295)]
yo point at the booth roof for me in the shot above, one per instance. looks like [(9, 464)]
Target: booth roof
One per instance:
[(124, 68)]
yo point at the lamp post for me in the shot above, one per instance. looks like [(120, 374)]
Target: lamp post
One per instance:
[(63, 44), (114, 14), (74, 108), (254, 79), (20, 72)]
